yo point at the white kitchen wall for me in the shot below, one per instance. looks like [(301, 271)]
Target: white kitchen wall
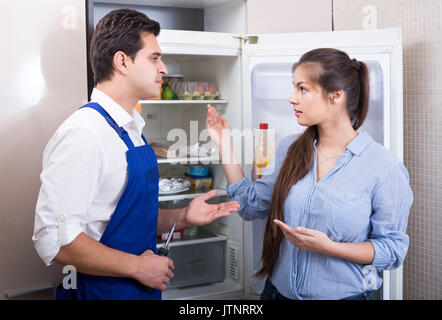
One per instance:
[(282, 16)]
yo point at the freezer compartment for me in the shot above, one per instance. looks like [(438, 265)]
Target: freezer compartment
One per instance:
[(271, 88), (198, 259)]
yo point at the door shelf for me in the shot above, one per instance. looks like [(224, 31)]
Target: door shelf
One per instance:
[(174, 102), (190, 194)]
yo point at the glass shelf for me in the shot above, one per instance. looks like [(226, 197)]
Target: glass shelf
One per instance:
[(190, 160), (190, 194), (202, 236), (182, 101)]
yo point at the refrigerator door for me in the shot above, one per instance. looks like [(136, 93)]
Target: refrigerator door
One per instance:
[(267, 86), (44, 79)]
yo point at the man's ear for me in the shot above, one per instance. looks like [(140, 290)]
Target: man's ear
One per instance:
[(120, 62), (336, 97)]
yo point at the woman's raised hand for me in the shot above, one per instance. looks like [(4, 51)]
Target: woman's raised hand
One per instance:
[(220, 133), (216, 126)]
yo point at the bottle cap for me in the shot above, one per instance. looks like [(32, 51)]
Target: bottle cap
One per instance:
[(263, 125)]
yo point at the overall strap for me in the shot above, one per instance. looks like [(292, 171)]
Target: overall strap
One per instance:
[(121, 132)]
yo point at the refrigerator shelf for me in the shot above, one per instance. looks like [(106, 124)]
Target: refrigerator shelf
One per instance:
[(190, 194), (183, 102), (203, 236), (190, 160)]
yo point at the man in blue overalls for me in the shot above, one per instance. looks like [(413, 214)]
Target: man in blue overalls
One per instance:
[(98, 205)]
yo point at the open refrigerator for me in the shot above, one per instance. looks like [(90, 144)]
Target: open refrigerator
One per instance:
[(253, 75)]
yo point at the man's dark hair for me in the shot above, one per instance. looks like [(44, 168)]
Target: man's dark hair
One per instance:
[(119, 30)]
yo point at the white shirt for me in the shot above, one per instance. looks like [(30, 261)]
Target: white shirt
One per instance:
[(84, 174)]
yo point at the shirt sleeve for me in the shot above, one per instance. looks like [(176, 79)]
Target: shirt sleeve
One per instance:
[(69, 180), (391, 206), (254, 197)]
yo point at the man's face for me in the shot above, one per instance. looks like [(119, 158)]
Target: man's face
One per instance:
[(147, 69)]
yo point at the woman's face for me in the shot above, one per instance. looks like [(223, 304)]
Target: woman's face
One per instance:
[(310, 105)]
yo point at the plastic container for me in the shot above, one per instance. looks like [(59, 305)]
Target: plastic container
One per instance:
[(199, 89), (200, 182), (212, 92), (184, 90), (191, 90), (198, 170)]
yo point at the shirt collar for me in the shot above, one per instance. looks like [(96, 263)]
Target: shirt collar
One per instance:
[(117, 112), (357, 144)]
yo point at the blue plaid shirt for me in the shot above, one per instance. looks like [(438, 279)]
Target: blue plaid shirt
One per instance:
[(365, 197)]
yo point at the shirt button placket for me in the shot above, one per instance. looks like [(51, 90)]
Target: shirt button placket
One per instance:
[(307, 209), (294, 268)]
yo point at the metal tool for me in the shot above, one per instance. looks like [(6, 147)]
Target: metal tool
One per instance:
[(164, 250)]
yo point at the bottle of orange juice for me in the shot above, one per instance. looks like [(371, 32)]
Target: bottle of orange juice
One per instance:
[(264, 151)]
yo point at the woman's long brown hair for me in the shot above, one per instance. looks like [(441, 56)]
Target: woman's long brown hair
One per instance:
[(336, 71)]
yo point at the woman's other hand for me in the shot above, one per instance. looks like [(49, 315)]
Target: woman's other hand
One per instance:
[(306, 239)]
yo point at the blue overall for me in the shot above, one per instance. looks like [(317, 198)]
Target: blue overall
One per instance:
[(132, 227)]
